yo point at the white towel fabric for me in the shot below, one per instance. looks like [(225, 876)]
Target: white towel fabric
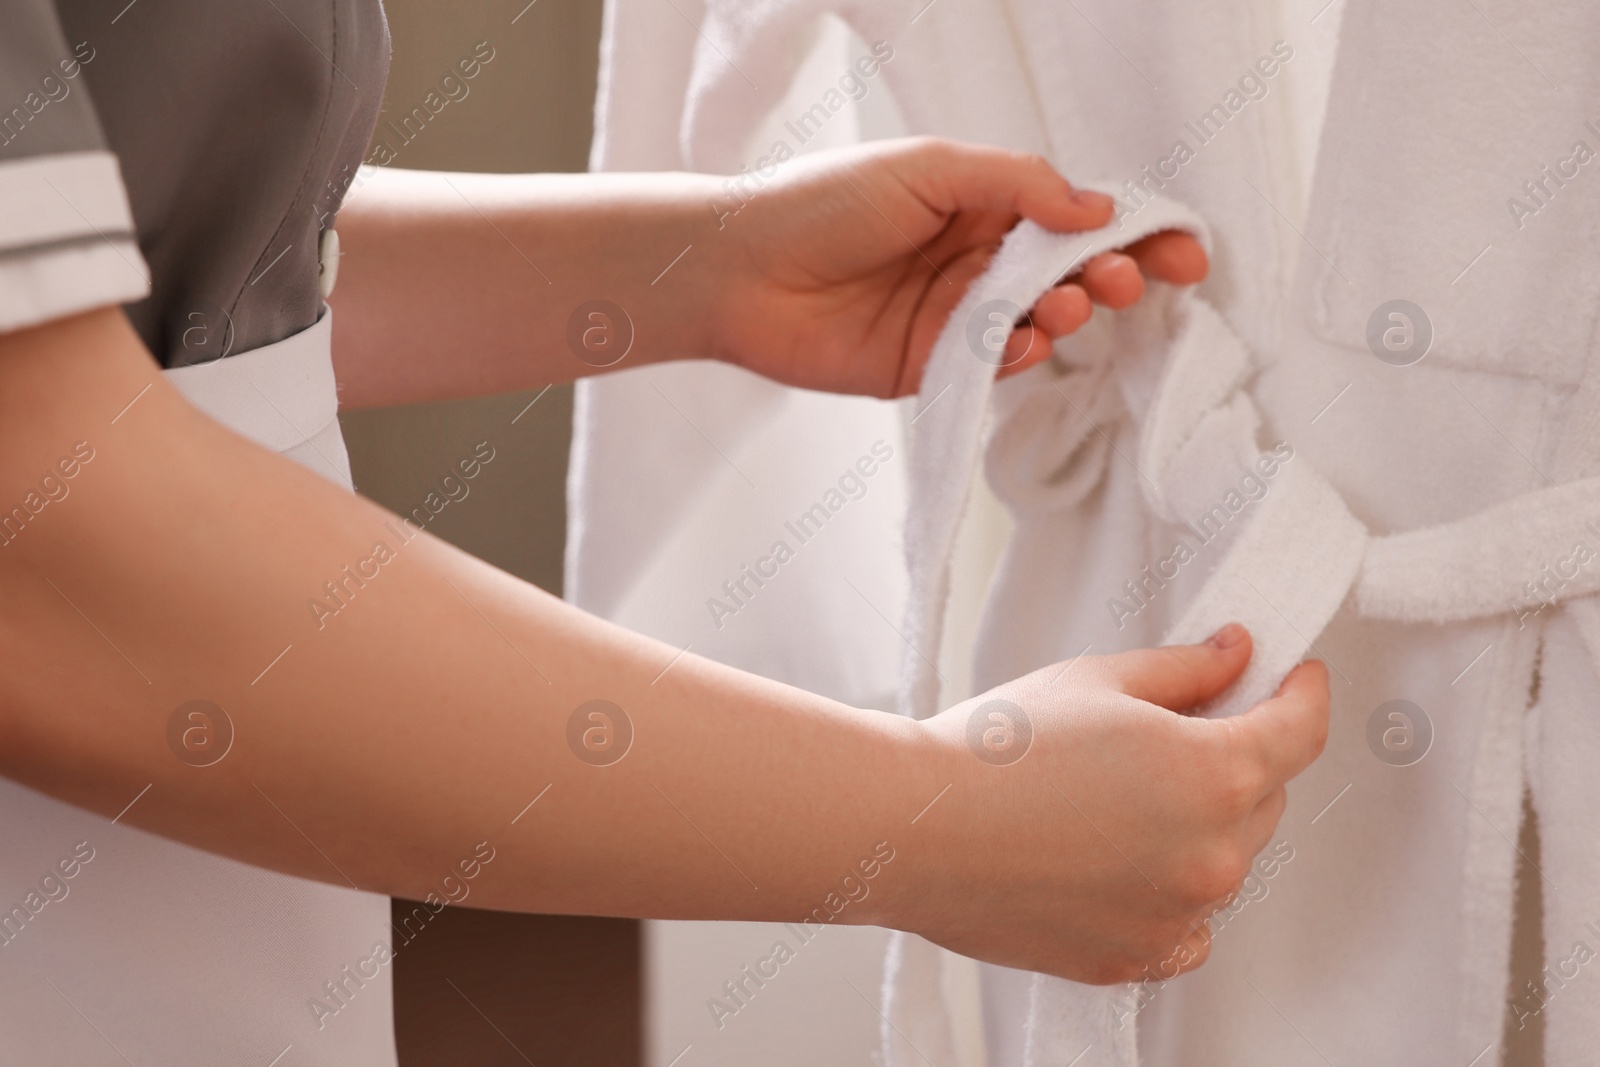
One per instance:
[(1423, 528)]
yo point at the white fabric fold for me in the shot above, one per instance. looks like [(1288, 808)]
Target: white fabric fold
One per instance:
[(952, 410)]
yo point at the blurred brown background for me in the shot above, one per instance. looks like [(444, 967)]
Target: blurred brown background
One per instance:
[(485, 987)]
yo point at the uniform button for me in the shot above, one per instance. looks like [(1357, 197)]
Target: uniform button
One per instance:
[(328, 258)]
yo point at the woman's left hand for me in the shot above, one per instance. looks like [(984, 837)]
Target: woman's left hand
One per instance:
[(846, 266)]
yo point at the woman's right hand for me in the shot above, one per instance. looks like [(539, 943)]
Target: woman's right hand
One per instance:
[(1091, 826)]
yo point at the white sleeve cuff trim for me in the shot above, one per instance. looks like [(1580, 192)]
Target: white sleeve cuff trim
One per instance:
[(56, 197), (63, 280)]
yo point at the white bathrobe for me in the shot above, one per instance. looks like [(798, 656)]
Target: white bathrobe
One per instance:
[(1417, 518)]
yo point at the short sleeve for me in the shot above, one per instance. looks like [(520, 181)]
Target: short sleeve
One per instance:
[(67, 241)]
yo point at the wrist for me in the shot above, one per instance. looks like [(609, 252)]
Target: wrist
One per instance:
[(642, 245), (692, 274), (920, 776), (725, 282)]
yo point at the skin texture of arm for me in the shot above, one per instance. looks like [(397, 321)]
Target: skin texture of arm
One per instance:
[(377, 747), (837, 275)]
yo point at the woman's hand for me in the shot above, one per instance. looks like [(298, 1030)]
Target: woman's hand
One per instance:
[(846, 267), (1082, 828), (1088, 830), (838, 274)]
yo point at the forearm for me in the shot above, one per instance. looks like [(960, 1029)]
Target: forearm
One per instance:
[(378, 743), (465, 284)]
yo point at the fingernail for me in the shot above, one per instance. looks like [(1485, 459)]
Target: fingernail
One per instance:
[(1227, 637), (1090, 198)]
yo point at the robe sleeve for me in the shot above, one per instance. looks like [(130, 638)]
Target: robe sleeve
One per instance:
[(67, 239)]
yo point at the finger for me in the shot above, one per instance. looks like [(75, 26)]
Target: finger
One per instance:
[(1171, 256), (964, 177), (1113, 279), (1289, 730), (1062, 310), (1178, 677), (1027, 347)]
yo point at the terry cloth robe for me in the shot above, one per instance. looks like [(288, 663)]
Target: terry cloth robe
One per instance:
[(1370, 435), (687, 477)]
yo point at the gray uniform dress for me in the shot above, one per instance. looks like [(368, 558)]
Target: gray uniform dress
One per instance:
[(183, 158)]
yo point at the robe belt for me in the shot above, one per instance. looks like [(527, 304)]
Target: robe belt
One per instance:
[(1299, 553)]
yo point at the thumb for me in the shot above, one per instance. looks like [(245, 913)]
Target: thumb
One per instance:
[(1290, 729), (1179, 677)]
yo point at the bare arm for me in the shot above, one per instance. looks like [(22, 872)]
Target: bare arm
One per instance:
[(457, 285), (378, 746), (837, 273), (418, 720)]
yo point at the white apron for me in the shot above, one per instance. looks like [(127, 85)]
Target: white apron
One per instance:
[(165, 954)]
